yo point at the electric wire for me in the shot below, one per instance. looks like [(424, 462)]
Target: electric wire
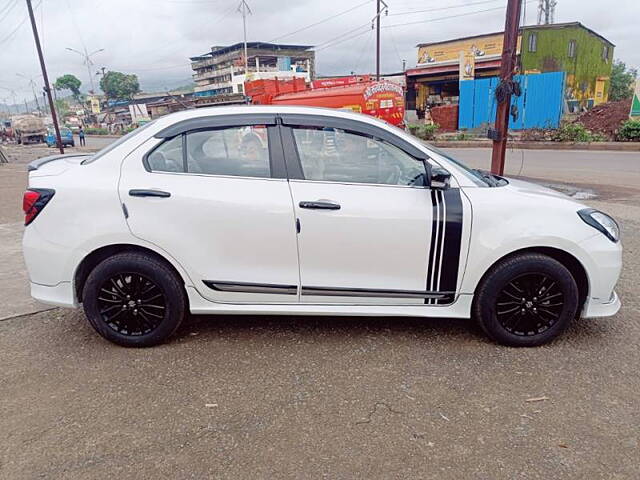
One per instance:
[(450, 7), (322, 21), (11, 34)]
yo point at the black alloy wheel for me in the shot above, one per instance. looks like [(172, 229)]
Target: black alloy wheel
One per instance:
[(134, 299), (131, 304), (526, 300), (529, 304)]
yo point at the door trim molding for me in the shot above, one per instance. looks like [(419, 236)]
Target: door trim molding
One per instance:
[(243, 287), (372, 292)]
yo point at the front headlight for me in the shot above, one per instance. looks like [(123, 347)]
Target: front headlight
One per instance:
[(602, 222)]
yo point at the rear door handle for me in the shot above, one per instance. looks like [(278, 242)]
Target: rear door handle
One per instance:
[(136, 192), (320, 205)]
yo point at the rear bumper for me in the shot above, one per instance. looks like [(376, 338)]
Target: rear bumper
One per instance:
[(60, 295)]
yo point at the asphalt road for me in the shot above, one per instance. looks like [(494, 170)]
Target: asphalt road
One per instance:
[(328, 397), (97, 142)]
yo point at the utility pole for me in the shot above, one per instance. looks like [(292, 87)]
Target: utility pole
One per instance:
[(504, 90), (379, 11), (378, 40), (88, 62), (54, 117), (244, 9)]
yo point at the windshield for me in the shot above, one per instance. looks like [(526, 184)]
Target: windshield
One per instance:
[(116, 144), (478, 177)]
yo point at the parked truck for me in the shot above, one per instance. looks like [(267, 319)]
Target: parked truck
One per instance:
[(29, 129), (381, 99)]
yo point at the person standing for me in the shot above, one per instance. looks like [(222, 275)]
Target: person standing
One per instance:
[(81, 135)]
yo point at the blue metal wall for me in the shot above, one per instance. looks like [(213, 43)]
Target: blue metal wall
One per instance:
[(539, 106)]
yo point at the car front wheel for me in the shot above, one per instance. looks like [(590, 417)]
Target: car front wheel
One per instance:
[(134, 300), (526, 300)]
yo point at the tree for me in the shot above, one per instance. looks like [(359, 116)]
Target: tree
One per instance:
[(622, 81), (69, 82), (62, 107), (119, 86)]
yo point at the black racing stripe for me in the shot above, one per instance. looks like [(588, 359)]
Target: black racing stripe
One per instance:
[(438, 253), (432, 244), (453, 241)]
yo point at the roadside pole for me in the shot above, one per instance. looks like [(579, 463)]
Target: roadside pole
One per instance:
[(378, 41), (504, 90), (47, 87)]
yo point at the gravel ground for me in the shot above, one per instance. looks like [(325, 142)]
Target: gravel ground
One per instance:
[(341, 398)]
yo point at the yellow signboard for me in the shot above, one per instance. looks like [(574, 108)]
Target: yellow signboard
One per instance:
[(485, 46), (95, 104)]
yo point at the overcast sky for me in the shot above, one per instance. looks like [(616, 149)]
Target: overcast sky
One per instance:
[(154, 38)]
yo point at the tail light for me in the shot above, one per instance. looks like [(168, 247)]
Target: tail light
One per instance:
[(33, 201)]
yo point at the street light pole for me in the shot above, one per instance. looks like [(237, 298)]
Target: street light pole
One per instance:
[(504, 90), (88, 63), (244, 9), (33, 89), (54, 117)]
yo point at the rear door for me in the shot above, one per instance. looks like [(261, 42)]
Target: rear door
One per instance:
[(213, 194), (371, 230)]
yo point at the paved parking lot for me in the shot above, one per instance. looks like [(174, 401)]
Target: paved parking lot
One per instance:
[(325, 397)]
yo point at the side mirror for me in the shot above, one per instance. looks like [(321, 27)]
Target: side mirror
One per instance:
[(440, 178)]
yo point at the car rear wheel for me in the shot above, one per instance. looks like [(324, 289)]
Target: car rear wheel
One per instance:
[(526, 300), (134, 300)]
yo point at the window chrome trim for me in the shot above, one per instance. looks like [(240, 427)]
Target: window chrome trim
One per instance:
[(193, 174), (335, 182)]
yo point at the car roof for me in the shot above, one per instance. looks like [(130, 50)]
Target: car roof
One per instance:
[(266, 109)]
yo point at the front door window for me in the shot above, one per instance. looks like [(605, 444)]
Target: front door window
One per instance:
[(334, 155)]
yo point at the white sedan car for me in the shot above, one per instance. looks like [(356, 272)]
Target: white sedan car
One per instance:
[(298, 210)]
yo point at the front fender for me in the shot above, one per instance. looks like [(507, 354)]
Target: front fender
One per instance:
[(506, 220)]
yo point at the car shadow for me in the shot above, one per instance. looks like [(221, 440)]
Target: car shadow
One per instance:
[(440, 330), (351, 327)]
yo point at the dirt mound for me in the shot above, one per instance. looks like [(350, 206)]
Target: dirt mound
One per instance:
[(606, 117)]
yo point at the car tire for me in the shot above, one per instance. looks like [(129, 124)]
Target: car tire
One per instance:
[(526, 300), (134, 300), (73, 144)]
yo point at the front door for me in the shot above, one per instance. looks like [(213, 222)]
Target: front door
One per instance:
[(218, 202), (371, 231)]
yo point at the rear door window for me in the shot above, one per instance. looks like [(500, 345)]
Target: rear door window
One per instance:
[(236, 151)]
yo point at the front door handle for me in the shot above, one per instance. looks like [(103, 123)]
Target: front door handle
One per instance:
[(320, 205), (136, 192)]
